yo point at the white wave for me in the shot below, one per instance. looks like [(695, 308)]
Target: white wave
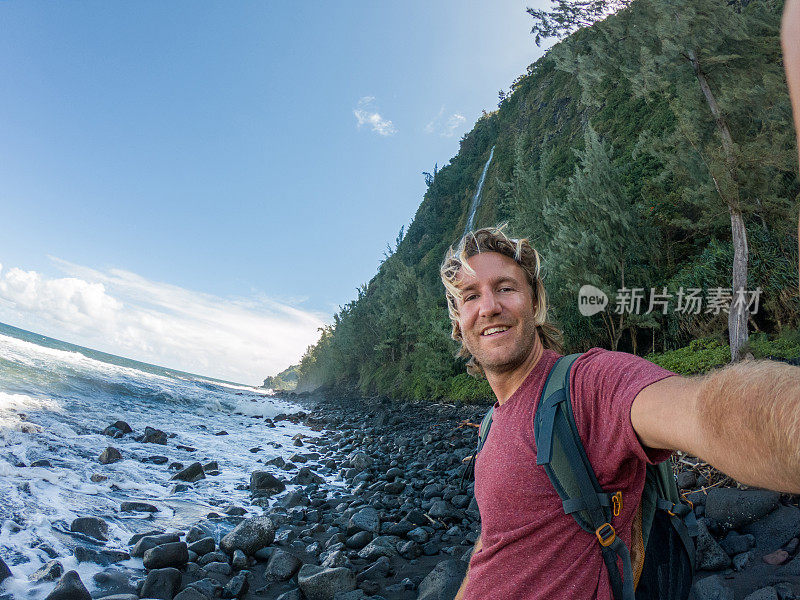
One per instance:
[(43, 357), (22, 402), (234, 386), (141, 383)]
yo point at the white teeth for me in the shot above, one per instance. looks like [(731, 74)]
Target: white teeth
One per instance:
[(492, 330)]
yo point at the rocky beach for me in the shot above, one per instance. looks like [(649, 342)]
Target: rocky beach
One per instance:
[(374, 506)]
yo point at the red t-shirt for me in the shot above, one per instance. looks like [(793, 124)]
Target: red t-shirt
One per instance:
[(531, 549)]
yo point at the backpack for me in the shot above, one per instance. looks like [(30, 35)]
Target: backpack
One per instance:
[(667, 524)]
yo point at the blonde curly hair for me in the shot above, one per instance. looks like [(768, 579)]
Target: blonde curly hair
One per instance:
[(494, 239)]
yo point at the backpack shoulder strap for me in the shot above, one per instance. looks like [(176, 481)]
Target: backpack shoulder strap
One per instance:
[(483, 430), (468, 471), (560, 451)]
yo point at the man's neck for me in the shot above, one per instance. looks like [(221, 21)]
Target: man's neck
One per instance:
[(504, 384)]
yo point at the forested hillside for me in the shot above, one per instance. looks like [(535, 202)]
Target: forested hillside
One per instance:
[(633, 154)]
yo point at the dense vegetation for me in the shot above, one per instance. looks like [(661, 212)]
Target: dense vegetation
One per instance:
[(627, 154)]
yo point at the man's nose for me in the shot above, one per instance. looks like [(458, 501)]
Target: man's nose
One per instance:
[(489, 305)]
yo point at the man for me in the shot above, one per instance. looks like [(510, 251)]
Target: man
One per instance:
[(744, 419)]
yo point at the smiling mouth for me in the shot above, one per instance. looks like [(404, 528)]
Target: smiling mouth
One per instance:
[(494, 330)]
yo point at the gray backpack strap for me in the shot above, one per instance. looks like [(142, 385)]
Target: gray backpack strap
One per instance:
[(483, 431), (560, 451)]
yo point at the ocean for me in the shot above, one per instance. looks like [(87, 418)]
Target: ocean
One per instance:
[(55, 401)]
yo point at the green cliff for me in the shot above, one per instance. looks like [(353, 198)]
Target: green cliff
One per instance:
[(286, 380)]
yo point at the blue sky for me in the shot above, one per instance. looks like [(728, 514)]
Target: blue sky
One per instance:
[(251, 156)]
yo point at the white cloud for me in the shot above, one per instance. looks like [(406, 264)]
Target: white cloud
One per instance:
[(367, 115), (453, 122), (445, 127), (117, 311)]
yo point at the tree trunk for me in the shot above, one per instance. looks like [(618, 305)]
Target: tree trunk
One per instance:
[(618, 331), (608, 321), (738, 316)]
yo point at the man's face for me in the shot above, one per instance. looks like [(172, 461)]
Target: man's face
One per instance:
[(496, 313)]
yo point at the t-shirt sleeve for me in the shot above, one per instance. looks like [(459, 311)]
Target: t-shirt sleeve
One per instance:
[(603, 386)]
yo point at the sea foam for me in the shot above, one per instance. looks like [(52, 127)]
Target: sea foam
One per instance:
[(54, 406)]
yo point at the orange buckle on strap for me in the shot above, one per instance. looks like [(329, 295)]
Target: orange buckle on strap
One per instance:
[(616, 502), (672, 514), (606, 534)]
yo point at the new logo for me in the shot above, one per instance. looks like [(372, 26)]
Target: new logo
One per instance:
[(591, 300)]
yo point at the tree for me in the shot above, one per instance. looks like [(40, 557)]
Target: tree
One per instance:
[(431, 177), (567, 16), (531, 188), (596, 236)]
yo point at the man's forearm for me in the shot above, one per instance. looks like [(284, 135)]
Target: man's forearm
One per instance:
[(790, 40), (749, 419), (463, 587)]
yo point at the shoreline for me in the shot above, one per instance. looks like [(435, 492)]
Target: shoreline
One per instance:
[(401, 527)]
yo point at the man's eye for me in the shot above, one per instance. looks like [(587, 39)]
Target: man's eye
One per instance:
[(470, 297)]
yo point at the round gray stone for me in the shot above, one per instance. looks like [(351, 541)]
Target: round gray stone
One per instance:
[(711, 588), (173, 554), (282, 565), (249, 536), (321, 583), (161, 583), (110, 455), (731, 508), (94, 527), (443, 581), (776, 529), (366, 519)]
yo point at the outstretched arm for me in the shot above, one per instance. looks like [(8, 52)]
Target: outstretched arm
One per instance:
[(790, 40), (743, 419)]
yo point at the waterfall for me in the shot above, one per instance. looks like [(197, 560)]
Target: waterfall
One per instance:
[(476, 199)]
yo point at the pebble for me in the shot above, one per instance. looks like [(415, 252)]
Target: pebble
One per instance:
[(250, 536), (69, 587), (194, 472), (161, 583), (172, 554), (322, 583), (767, 593), (266, 484), (776, 558), (94, 527), (110, 455), (138, 507), (776, 529), (50, 571), (154, 436)]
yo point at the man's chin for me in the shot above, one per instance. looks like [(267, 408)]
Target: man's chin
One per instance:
[(499, 367)]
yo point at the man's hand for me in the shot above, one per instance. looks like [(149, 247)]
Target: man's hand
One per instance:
[(743, 419), (463, 587)]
